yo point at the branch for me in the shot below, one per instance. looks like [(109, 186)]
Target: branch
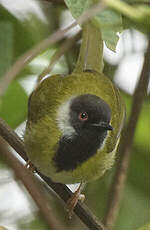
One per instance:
[(61, 51), (127, 142), (32, 185), (44, 44), (58, 2), (61, 2), (61, 190)]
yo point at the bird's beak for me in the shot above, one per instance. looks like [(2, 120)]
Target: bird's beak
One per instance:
[(103, 125)]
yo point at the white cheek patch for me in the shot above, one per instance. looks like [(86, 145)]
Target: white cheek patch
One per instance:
[(63, 119)]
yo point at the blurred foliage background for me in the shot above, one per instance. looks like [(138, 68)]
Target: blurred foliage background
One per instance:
[(23, 24)]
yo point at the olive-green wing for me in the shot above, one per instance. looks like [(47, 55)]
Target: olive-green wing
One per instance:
[(41, 100)]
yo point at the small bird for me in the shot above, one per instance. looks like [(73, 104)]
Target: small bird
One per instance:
[(74, 125)]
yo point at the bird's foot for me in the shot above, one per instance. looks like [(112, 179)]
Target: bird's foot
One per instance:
[(73, 200), (30, 166)]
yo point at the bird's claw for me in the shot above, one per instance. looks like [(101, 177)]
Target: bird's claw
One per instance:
[(30, 166), (73, 200)]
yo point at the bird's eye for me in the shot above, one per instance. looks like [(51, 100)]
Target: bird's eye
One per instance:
[(83, 116)]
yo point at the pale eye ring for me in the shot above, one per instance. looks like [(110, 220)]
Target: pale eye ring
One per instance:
[(83, 116)]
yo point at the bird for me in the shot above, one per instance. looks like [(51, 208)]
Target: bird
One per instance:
[(74, 126)]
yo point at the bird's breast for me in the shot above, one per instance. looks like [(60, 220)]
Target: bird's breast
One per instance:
[(74, 151)]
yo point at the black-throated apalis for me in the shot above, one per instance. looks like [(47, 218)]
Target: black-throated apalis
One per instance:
[(74, 121)]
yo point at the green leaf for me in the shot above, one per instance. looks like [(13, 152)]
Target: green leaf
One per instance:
[(13, 105), (77, 7), (135, 15), (146, 227), (6, 46), (108, 21), (110, 24)]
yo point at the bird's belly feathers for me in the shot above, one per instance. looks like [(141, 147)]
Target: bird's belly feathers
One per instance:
[(88, 170), (41, 152)]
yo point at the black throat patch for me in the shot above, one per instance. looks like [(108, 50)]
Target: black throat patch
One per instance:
[(87, 112), (72, 152)]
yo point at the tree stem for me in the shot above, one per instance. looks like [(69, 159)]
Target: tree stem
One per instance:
[(126, 144), (91, 51)]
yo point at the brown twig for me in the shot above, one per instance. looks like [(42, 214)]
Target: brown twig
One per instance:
[(12, 138), (55, 37), (61, 51), (58, 2), (32, 186), (140, 2), (127, 141), (61, 190)]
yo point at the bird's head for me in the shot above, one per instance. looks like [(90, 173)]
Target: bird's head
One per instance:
[(84, 114)]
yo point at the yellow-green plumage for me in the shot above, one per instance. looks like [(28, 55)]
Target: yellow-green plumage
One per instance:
[(42, 131)]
